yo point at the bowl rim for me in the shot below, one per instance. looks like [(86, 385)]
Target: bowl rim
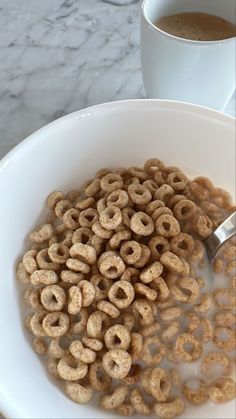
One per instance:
[(230, 121), (178, 105)]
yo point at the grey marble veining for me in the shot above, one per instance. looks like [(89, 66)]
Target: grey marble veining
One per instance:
[(57, 56)]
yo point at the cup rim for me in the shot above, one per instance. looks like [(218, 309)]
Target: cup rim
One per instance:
[(177, 38)]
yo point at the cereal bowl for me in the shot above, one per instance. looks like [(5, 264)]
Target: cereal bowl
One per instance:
[(61, 156)]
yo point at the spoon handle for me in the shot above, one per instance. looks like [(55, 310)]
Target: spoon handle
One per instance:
[(224, 232)]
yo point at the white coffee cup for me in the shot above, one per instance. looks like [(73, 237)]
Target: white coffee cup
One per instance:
[(201, 72)]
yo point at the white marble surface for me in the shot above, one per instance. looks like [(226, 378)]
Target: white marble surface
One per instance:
[(57, 56)]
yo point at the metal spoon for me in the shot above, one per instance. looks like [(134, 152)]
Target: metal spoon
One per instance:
[(224, 232)]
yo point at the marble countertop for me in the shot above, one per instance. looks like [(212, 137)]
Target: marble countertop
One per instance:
[(58, 56)]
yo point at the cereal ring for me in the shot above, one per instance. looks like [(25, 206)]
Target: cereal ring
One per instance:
[(121, 294), (42, 233), (40, 346), (151, 166), (127, 214), (143, 311), (100, 231), (146, 253), (167, 226), (111, 217), (138, 173), (71, 218), (70, 277), (117, 363), (160, 211), (170, 331), (161, 287), (152, 351), (29, 261), (75, 300), (215, 359), (127, 320), (56, 324), (22, 275), (53, 297), (36, 323), (224, 299), (205, 303), (73, 195), (118, 198), (111, 182), (224, 338), (108, 308), (144, 290), (77, 265), (150, 330), (221, 198), (52, 368), (97, 322), (187, 356), (177, 180), (182, 244), (56, 350), (170, 314), (117, 337), (139, 194), (61, 207), (84, 253), (115, 399), (204, 226), (131, 252), (153, 205), (87, 291), (159, 384), (102, 285), (190, 289), (225, 319), (103, 172), (43, 276), (164, 193), (151, 273), (44, 261), (92, 343), (87, 217), (117, 238), (131, 275), (112, 267), (229, 253), (195, 396), (135, 346), (92, 188), (84, 203), (98, 379), (79, 323), (198, 191), (150, 185), (85, 355), (125, 409), (58, 253), (233, 283), (169, 410), (142, 224), (78, 393), (174, 200), (32, 298), (171, 262), (222, 390), (184, 209), (230, 267), (54, 198), (138, 402), (198, 252), (133, 376)]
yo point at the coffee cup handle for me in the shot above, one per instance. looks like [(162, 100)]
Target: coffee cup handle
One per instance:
[(230, 106)]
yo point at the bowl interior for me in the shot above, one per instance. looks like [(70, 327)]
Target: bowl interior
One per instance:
[(60, 157)]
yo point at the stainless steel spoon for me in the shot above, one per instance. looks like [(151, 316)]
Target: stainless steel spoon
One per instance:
[(224, 232)]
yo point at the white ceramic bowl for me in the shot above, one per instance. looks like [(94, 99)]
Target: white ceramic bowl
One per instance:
[(61, 156)]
